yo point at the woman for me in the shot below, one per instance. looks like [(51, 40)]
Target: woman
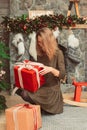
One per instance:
[(49, 96)]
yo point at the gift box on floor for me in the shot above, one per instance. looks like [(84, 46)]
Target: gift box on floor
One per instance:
[(27, 75), (23, 117)]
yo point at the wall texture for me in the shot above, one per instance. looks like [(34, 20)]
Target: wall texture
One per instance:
[(19, 7)]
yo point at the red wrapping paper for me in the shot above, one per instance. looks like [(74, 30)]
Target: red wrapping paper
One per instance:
[(29, 78)]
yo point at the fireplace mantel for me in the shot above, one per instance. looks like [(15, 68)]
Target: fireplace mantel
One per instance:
[(77, 26)]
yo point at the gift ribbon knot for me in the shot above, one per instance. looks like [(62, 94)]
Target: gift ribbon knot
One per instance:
[(30, 66)]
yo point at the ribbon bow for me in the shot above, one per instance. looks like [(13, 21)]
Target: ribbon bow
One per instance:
[(28, 106), (30, 66)]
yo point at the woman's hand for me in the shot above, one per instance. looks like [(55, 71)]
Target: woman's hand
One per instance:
[(48, 69)]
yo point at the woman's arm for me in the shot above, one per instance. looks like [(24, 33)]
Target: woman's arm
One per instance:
[(59, 71), (61, 65), (48, 69)]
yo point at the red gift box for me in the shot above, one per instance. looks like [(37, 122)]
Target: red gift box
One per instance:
[(23, 117), (28, 79)]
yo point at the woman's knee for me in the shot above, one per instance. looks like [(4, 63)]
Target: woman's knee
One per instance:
[(24, 95)]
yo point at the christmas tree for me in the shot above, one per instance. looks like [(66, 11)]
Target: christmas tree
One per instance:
[(3, 85)]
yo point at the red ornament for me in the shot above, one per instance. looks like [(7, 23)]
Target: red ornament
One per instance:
[(69, 21), (25, 27), (73, 25)]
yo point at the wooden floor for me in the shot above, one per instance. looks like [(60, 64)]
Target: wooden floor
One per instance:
[(10, 101)]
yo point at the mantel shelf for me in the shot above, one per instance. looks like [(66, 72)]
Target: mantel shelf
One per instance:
[(78, 26)]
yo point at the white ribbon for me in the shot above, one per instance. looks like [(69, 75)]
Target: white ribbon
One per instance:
[(28, 65), (25, 63), (15, 117)]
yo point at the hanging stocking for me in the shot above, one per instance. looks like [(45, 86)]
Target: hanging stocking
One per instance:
[(73, 48)]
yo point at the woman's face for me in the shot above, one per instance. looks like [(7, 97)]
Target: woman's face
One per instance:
[(40, 42)]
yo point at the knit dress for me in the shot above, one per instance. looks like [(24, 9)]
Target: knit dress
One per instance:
[(49, 96)]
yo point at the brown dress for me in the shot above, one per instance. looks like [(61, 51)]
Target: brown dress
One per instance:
[(49, 96)]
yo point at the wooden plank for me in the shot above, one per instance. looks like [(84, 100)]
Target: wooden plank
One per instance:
[(75, 0), (71, 102), (4, 5), (4, 11), (68, 98), (78, 26), (77, 9), (4, 1)]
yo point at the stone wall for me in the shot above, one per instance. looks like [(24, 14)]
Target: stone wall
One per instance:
[(18, 7), (74, 69)]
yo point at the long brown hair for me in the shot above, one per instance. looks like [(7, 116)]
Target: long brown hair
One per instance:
[(48, 42)]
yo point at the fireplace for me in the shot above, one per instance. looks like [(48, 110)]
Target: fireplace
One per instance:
[(75, 66)]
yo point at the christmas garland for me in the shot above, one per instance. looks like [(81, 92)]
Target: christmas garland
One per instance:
[(25, 25)]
